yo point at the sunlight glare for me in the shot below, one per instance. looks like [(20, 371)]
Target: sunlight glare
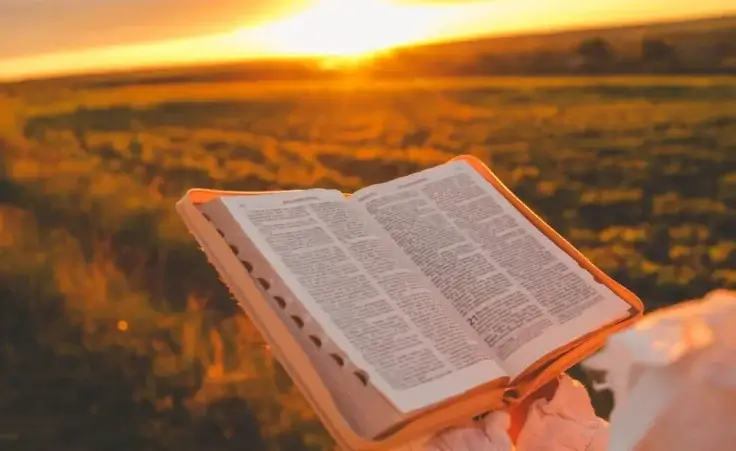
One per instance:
[(345, 28)]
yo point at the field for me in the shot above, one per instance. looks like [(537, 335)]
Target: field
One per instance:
[(120, 336)]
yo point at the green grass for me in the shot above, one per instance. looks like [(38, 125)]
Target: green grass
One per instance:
[(122, 336)]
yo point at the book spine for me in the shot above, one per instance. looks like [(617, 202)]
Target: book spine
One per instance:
[(293, 314)]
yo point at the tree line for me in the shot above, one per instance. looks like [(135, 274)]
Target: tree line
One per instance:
[(655, 55), (593, 55)]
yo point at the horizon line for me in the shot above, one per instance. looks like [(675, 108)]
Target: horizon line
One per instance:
[(429, 43)]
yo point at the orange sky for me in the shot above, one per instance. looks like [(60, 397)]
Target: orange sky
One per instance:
[(40, 37)]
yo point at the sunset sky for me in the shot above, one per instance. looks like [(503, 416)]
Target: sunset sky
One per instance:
[(40, 37)]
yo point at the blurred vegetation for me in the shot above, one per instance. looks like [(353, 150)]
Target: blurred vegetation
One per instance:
[(119, 335)]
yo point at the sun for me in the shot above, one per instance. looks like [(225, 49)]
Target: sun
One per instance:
[(344, 28)]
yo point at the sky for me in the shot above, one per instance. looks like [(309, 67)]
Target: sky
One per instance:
[(45, 37)]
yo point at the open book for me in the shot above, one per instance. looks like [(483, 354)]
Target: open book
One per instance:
[(412, 305)]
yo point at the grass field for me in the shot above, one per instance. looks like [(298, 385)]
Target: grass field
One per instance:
[(122, 337)]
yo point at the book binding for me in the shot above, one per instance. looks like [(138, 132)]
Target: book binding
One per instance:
[(293, 315)]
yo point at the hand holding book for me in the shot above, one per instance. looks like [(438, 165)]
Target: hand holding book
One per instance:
[(560, 416), (410, 304)]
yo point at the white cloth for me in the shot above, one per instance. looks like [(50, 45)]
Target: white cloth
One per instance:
[(673, 376)]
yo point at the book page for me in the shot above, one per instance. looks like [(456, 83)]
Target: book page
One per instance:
[(523, 294), (368, 297)]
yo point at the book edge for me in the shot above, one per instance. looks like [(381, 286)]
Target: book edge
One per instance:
[(317, 396)]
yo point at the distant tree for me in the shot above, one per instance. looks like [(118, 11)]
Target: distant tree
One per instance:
[(595, 55), (657, 55)]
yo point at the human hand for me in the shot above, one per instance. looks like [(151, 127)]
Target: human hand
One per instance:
[(557, 416), (487, 434), (496, 431)]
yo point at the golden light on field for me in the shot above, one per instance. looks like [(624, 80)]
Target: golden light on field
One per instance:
[(345, 28)]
